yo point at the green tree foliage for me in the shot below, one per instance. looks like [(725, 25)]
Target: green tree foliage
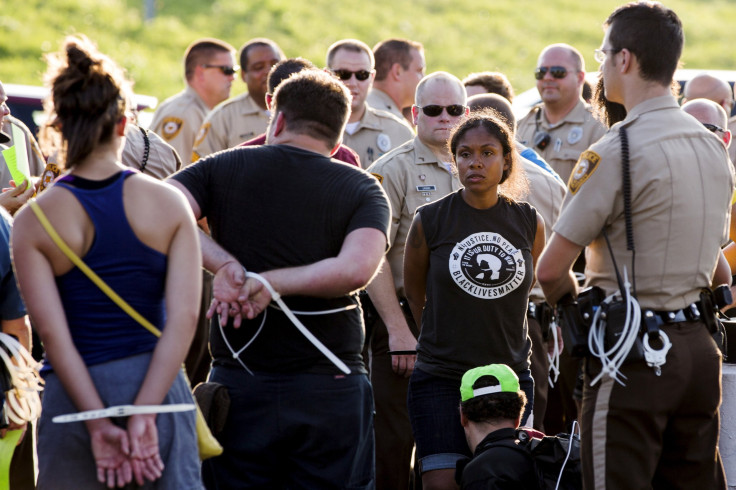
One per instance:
[(460, 36)]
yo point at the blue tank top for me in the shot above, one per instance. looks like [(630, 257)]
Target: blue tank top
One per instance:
[(101, 331)]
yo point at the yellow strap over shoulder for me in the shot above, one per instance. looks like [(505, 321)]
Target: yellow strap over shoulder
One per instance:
[(208, 445), (89, 272)]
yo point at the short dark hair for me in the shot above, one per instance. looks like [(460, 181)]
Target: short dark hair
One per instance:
[(493, 82), (284, 69), (201, 51), (493, 406), (653, 33), (391, 51), (89, 95), (254, 43), (497, 102), (313, 103), (349, 45)]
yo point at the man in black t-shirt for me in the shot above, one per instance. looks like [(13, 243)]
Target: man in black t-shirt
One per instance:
[(315, 229)]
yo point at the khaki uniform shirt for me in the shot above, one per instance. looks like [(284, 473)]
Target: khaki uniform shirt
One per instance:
[(569, 136), (546, 194), (378, 133), (36, 161), (230, 123), (681, 186), (412, 176), (162, 158), (378, 99), (178, 119), (732, 146)]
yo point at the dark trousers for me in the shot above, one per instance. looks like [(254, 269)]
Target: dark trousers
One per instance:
[(540, 372), (657, 431), (295, 431), (394, 440)]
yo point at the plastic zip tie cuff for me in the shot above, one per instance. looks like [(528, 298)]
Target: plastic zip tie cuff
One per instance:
[(122, 411)]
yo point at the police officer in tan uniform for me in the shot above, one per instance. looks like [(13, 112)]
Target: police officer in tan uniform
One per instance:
[(399, 67), (369, 132), (417, 172), (244, 116), (659, 428), (148, 152), (209, 69), (562, 126)]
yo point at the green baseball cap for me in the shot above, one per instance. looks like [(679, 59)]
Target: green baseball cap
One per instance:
[(507, 381)]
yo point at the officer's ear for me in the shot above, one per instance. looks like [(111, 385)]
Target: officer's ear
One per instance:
[(269, 99), (395, 72), (727, 137)]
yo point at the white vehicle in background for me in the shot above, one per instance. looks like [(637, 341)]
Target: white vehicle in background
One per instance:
[(524, 101)]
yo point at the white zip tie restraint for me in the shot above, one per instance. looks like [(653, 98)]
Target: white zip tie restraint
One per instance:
[(612, 359), (291, 315), (575, 425), (23, 403), (122, 411), (554, 358)]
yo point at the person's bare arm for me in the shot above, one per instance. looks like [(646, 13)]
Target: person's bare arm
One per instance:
[(554, 271), (416, 267), (353, 268), (109, 443), (383, 295)]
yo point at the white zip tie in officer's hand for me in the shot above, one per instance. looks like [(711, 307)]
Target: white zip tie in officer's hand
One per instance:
[(612, 359), (23, 402), (122, 411), (554, 358)]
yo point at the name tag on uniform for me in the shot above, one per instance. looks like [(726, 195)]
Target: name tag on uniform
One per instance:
[(426, 188)]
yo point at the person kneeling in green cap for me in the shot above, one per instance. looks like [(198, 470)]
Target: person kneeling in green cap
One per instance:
[(490, 412)]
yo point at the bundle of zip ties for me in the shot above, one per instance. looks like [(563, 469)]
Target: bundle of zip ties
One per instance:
[(554, 358), (614, 357), (23, 403)]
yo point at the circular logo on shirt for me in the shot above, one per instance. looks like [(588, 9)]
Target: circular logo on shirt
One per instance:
[(383, 141), (574, 135), (487, 266)]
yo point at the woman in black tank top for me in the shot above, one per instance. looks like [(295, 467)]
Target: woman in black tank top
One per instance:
[(468, 268)]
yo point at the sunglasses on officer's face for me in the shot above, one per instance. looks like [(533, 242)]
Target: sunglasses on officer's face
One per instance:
[(555, 71), (345, 75), (454, 110), (226, 70)]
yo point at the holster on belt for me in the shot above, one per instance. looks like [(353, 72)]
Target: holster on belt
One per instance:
[(709, 304)]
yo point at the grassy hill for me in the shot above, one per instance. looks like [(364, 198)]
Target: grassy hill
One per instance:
[(459, 36)]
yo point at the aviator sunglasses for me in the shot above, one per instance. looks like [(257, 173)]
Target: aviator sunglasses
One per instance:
[(226, 70), (555, 71), (345, 75), (454, 110)]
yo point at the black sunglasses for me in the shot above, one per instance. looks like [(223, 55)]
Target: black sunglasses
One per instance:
[(713, 128), (226, 70), (555, 71), (345, 75), (454, 110)]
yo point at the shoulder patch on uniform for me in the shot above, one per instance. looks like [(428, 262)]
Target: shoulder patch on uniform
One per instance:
[(585, 167), (202, 133), (378, 177), (170, 127)]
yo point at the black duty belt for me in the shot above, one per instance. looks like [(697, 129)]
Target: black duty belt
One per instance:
[(689, 313)]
